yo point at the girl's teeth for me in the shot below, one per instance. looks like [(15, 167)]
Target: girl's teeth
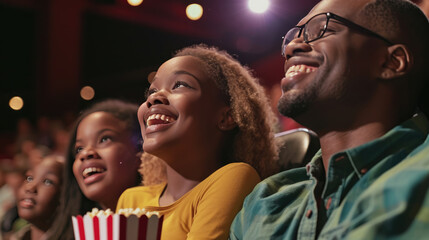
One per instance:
[(87, 171), (159, 117)]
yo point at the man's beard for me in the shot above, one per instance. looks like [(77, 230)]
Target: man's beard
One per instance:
[(293, 105)]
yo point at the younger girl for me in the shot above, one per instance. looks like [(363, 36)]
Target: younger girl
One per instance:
[(102, 161), (39, 197), (209, 120)]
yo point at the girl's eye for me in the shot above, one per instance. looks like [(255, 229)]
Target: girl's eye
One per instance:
[(29, 179), (179, 84), (48, 182), (105, 139), (150, 92), (78, 150)]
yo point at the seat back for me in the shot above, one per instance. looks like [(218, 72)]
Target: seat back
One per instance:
[(297, 147)]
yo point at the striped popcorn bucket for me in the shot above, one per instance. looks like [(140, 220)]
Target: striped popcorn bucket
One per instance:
[(117, 227)]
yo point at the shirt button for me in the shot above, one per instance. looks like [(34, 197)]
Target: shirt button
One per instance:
[(309, 213)]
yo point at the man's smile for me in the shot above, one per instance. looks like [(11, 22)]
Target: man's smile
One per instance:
[(299, 69)]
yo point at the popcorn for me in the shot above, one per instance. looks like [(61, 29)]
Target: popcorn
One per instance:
[(96, 212), (127, 224)]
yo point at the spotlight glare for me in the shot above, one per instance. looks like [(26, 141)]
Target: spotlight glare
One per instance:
[(194, 11), (258, 6), (16, 103), (87, 93), (134, 3)]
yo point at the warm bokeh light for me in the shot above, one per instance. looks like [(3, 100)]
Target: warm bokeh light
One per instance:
[(16, 103), (134, 2), (194, 11), (87, 93), (258, 6)]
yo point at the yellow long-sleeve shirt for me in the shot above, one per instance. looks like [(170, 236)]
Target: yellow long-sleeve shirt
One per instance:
[(206, 211)]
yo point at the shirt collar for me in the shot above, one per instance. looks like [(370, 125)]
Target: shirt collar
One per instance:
[(360, 159)]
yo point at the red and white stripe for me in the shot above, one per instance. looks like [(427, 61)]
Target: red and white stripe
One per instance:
[(117, 227)]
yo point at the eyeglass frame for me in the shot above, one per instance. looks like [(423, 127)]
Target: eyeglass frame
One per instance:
[(329, 15)]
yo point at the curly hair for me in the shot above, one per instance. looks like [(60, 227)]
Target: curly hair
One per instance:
[(73, 201), (254, 140), (153, 169)]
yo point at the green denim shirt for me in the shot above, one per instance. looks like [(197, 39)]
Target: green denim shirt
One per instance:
[(378, 190)]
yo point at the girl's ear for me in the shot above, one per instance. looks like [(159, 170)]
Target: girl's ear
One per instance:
[(398, 63), (226, 121)]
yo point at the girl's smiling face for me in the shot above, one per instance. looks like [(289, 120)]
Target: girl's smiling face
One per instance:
[(182, 110), (106, 160), (38, 196)]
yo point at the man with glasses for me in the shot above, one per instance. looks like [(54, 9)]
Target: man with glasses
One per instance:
[(356, 73)]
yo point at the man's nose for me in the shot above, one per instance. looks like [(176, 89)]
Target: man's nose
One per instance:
[(295, 46)]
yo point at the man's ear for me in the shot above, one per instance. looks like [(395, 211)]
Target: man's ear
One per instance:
[(398, 62), (226, 121)]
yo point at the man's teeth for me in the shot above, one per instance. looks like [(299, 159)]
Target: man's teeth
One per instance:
[(161, 117), (297, 69), (89, 171)]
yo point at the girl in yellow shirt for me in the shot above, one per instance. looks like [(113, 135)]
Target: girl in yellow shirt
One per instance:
[(207, 118)]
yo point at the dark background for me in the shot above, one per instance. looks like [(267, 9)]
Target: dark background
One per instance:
[(50, 49)]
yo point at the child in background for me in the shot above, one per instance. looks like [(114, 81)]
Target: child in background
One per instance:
[(39, 198), (7, 198), (10, 221), (102, 161), (209, 120)]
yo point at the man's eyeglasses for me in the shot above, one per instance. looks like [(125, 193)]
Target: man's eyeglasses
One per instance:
[(316, 27)]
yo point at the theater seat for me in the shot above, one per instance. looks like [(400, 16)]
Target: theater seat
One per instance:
[(297, 147)]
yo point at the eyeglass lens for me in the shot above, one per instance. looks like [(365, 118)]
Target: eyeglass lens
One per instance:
[(290, 35), (312, 30), (315, 28)]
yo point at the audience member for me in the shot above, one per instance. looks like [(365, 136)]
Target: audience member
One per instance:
[(38, 153), (24, 132), (210, 121), (39, 198), (10, 221), (44, 131), (355, 74), (7, 198), (61, 141), (22, 157), (102, 161)]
